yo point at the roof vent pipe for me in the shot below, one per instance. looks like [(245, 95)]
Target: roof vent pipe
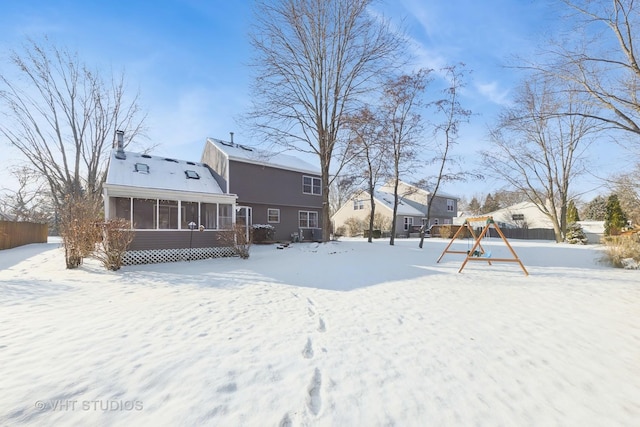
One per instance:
[(231, 133), (120, 145)]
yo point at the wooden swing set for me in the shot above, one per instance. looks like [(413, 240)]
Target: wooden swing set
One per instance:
[(477, 252)]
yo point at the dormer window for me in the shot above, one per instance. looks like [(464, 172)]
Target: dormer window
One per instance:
[(191, 174), (142, 168)]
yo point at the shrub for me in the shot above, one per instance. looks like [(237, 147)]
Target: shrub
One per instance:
[(261, 233), (117, 235), (622, 251), (355, 226), (239, 242), (340, 231), (446, 231), (79, 228)]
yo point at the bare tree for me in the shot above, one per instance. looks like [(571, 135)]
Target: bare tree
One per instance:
[(28, 201), (315, 61), (538, 150), (600, 59), (342, 188), (367, 141), (453, 113), (400, 109), (63, 116)]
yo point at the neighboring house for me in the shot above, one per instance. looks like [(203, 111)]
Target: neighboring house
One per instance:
[(273, 188), (162, 197), (412, 208), (521, 215), (527, 215)]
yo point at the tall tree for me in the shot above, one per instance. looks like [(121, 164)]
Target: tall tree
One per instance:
[(490, 204), (315, 62), (62, 116), (400, 108), (370, 153), (538, 150), (614, 219), (596, 209), (572, 212), (474, 206), (446, 135)]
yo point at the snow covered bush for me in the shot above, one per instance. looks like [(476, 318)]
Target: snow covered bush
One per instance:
[(575, 234), (261, 233)]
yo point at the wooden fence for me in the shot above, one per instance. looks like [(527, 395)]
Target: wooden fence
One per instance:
[(13, 234), (510, 233)]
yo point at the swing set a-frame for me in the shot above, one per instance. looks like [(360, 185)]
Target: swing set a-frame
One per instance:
[(477, 252)]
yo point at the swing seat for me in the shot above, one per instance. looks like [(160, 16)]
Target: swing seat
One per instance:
[(486, 255)]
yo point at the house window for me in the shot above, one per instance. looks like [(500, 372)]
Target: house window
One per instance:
[(311, 185), (189, 213), (450, 205), (144, 213), (517, 217), (225, 217), (123, 208), (358, 205), (408, 222), (168, 214), (307, 219), (191, 174), (142, 168), (447, 221), (209, 212), (273, 215)]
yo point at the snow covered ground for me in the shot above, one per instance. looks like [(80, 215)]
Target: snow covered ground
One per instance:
[(339, 334)]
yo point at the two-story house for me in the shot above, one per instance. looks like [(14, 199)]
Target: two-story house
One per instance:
[(411, 212), (176, 207), (273, 188)]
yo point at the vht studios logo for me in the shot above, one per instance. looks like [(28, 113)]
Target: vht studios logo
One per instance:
[(89, 405)]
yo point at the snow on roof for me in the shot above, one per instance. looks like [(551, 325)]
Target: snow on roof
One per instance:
[(161, 173), (404, 208), (244, 153)]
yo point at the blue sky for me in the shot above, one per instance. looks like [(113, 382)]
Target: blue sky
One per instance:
[(188, 59)]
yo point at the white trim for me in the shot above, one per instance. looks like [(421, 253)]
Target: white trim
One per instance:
[(268, 215), (312, 185)]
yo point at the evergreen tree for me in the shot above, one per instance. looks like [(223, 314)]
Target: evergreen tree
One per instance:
[(615, 219), (595, 210), (474, 207), (575, 234), (572, 213), (490, 204)]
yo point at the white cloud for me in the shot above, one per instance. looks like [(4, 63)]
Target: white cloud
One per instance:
[(494, 93)]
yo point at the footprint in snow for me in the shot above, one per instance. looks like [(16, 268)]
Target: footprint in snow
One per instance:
[(313, 401), (307, 352)]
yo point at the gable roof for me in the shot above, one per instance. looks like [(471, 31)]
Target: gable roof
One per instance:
[(246, 154), (163, 174), (386, 199), (414, 189)]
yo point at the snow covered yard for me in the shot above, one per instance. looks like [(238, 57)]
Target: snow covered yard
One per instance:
[(339, 334)]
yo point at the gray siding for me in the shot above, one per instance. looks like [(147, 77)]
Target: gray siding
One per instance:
[(262, 187), (267, 185), (177, 239), (288, 220)]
